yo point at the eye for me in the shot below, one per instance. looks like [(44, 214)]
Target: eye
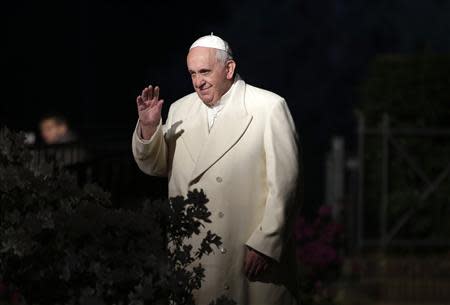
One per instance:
[(205, 72)]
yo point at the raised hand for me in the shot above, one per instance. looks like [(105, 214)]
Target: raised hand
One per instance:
[(149, 109)]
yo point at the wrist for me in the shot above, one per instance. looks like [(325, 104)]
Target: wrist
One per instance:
[(147, 130)]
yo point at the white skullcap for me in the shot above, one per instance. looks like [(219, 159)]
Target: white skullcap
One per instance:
[(212, 41)]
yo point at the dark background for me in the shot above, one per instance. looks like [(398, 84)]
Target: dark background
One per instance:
[(90, 59)]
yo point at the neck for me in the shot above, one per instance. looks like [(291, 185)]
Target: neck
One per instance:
[(227, 87)]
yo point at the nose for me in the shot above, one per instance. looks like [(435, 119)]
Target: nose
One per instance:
[(199, 81)]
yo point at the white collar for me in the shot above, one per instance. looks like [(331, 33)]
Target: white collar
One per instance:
[(214, 111)]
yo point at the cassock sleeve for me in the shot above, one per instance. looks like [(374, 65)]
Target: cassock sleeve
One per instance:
[(151, 155), (282, 168)]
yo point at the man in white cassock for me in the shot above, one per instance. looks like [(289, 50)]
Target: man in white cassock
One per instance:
[(238, 143)]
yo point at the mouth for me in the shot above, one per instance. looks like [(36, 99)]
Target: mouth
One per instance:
[(204, 90)]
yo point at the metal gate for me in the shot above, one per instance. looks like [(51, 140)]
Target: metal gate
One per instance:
[(391, 141)]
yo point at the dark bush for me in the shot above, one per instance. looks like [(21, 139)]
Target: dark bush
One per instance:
[(66, 244)]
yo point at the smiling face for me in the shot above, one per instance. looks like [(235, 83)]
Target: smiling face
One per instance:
[(211, 77)]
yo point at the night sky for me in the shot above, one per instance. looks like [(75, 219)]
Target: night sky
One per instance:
[(90, 59)]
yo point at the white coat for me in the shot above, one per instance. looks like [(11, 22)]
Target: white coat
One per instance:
[(248, 167)]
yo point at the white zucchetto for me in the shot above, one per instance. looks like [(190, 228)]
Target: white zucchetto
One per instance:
[(212, 41)]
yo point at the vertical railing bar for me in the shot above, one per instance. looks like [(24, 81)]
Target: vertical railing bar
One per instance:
[(360, 205), (384, 180)]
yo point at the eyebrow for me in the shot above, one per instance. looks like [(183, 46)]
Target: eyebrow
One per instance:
[(200, 71)]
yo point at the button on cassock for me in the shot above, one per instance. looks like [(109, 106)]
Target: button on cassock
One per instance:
[(219, 179), (220, 214)]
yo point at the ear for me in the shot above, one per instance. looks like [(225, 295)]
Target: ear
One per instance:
[(230, 67)]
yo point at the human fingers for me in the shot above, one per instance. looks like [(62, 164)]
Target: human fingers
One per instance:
[(150, 92), (251, 269), (246, 264), (259, 266), (156, 93), (144, 94), (153, 97), (139, 100), (140, 103), (160, 104), (263, 266)]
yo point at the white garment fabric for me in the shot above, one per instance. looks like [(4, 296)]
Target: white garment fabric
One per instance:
[(214, 111), (250, 175)]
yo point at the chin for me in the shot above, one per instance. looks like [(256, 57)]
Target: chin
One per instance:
[(208, 102), (206, 99)]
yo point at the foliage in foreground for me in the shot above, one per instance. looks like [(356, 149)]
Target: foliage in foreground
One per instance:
[(63, 244)]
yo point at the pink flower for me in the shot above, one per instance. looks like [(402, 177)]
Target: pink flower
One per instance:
[(298, 226), (303, 231), (325, 211), (307, 232), (317, 254), (3, 288), (331, 232), (15, 298)]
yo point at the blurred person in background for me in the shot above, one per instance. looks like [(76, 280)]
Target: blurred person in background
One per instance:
[(61, 145), (54, 129)]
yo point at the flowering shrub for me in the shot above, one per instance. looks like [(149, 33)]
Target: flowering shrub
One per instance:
[(8, 295), (63, 244), (318, 244)]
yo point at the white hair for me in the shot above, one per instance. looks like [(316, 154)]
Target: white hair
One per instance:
[(223, 56)]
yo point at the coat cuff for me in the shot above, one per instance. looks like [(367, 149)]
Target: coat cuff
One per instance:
[(138, 133), (142, 147), (268, 244)]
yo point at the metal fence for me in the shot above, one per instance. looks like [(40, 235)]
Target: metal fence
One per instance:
[(106, 161), (389, 142), (347, 185)]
